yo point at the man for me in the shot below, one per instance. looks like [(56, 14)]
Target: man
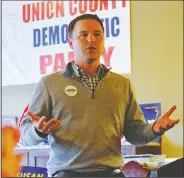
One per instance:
[(85, 109)]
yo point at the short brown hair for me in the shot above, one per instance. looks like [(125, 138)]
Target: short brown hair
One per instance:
[(82, 17)]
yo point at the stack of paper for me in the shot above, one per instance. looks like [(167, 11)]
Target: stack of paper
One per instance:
[(157, 158)]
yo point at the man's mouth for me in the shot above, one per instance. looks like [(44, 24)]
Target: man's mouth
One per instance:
[(91, 48)]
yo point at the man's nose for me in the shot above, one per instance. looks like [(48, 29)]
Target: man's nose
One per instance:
[(91, 38)]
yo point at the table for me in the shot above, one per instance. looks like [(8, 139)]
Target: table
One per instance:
[(38, 156)]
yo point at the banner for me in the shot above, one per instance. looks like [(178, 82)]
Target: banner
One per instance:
[(35, 34), (152, 112), (28, 171)]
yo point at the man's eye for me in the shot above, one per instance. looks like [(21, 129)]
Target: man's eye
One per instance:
[(84, 35), (97, 34)]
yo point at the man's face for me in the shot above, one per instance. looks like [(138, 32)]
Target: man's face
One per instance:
[(87, 40)]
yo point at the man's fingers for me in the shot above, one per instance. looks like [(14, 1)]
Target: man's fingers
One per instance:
[(176, 121), (56, 126), (42, 122), (42, 125), (34, 117), (49, 125), (173, 122), (162, 130), (171, 110), (168, 126)]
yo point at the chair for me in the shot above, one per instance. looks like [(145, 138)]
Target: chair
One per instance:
[(135, 169), (173, 169)]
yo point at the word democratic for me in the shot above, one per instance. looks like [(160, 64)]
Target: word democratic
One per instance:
[(59, 34)]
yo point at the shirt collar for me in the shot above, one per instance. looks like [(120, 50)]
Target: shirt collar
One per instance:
[(78, 72)]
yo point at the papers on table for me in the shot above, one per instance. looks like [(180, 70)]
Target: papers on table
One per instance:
[(149, 161), (155, 161), (157, 158)]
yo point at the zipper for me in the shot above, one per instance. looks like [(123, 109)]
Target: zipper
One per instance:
[(93, 93)]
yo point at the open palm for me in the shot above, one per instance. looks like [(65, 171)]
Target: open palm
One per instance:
[(165, 122)]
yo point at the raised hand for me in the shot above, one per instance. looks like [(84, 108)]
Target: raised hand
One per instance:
[(43, 125), (165, 122)]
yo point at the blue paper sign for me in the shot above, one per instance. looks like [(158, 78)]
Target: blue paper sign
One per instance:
[(27, 171), (151, 111)]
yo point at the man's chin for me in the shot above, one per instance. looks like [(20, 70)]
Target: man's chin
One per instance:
[(91, 60)]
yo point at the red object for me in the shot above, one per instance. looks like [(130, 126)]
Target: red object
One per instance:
[(135, 169), (25, 110)]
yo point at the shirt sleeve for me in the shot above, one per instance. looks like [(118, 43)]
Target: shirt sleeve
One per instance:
[(136, 130), (40, 105)]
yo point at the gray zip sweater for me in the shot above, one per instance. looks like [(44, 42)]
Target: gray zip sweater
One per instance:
[(91, 123)]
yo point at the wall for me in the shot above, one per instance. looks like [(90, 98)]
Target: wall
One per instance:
[(157, 61), (15, 98), (157, 65)]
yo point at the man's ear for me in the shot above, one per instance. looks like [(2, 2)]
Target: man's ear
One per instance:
[(70, 43)]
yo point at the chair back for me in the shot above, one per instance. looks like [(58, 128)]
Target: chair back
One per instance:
[(173, 169)]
